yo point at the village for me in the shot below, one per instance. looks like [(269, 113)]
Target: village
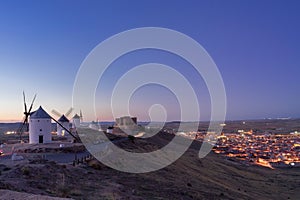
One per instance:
[(264, 149)]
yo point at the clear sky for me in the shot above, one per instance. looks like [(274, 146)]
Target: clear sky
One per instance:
[(255, 44)]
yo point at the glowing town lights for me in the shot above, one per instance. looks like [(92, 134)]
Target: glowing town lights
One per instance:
[(10, 132), (278, 150)]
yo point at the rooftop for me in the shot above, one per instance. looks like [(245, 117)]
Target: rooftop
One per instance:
[(39, 113), (63, 118)]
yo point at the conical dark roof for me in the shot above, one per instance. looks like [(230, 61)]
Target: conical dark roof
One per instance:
[(39, 113), (76, 116), (63, 119)]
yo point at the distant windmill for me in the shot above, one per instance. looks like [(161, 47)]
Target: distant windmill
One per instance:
[(67, 114), (63, 122), (76, 137), (24, 125), (81, 117)]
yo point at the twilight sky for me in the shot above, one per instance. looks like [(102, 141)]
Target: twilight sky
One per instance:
[(255, 45)]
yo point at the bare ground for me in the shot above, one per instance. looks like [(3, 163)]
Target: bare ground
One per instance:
[(213, 177)]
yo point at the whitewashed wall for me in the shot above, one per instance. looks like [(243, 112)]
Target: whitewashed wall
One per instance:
[(60, 129), (76, 123), (39, 127)]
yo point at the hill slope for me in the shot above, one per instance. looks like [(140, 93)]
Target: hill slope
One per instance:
[(189, 177)]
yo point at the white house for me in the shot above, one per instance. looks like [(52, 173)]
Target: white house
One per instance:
[(65, 123), (40, 127), (76, 121)]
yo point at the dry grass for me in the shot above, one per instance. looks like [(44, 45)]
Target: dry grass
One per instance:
[(213, 177)]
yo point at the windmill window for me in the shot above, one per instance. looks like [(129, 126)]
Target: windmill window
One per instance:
[(41, 130), (38, 120)]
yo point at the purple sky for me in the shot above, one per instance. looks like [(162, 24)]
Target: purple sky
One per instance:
[(255, 45)]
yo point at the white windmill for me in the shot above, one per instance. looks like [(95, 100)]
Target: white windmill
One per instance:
[(76, 121), (40, 127), (64, 122)]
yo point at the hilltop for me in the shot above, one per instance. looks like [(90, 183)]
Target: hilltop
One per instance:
[(212, 177)]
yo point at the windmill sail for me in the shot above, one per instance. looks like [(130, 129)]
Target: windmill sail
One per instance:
[(24, 125)]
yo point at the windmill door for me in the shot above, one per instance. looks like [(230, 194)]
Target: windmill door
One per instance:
[(41, 138)]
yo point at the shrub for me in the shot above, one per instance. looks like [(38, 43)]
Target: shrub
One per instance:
[(131, 138), (25, 171)]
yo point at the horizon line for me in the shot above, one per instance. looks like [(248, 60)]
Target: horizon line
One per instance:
[(143, 121)]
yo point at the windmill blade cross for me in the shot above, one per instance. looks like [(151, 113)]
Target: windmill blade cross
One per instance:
[(31, 104), (56, 113), (69, 112), (26, 119), (25, 106), (22, 124), (26, 115)]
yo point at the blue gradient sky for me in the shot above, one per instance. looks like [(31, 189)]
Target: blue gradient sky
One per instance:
[(255, 44)]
